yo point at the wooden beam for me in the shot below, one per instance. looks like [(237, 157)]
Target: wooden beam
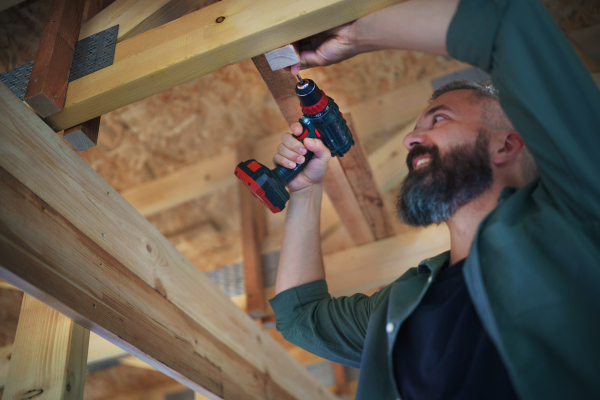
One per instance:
[(282, 57), (342, 196), (49, 77), (341, 383), (98, 261), (85, 135), (282, 85), (162, 58), (360, 176), (49, 355), (183, 185), (138, 16), (253, 276)]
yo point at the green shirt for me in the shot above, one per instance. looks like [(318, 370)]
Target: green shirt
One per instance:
[(533, 271)]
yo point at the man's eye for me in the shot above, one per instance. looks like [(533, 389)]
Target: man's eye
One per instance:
[(437, 118)]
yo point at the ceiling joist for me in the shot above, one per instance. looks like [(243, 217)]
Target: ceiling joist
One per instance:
[(197, 44)]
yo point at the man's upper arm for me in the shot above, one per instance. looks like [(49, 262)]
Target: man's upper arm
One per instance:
[(332, 328), (544, 88)]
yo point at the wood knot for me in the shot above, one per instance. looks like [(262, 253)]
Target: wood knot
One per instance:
[(220, 19), (31, 394), (149, 248)]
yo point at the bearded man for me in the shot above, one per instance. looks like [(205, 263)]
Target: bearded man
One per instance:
[(512, 311)]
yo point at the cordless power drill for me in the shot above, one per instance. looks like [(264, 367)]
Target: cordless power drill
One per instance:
[(321, 119)]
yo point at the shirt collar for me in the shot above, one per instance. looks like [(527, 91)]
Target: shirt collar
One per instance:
[(433, 265)]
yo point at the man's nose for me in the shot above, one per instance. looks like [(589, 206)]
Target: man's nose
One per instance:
[(413, 139)]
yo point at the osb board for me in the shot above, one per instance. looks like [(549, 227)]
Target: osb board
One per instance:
[(207, 116)]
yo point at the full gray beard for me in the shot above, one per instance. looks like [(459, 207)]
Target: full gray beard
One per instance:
[(432, 194)]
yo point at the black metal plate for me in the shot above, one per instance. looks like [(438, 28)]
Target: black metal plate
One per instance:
[(17, 79), (94, 53)]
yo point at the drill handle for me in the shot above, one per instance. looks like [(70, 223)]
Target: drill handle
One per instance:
[(283, 174)]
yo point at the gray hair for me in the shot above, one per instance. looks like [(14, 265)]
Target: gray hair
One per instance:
[(491, 118)]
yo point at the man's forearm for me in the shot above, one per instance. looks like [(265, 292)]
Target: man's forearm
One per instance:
[(420, 25), (301, 260)]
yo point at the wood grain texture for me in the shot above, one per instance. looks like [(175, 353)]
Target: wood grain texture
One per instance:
[(49, 77), (172, 54), (48, 357), (137, 280), (282, 57), (282, 85), (358, 172), (83, 136), (138, 16), (344, 200), (253, 276)]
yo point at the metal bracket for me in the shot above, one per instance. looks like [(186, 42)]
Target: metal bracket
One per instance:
[(91, 54)]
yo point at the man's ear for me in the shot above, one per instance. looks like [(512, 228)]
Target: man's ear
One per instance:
[(510, 145)]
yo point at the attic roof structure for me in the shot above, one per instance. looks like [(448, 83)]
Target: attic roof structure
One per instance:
[(146, 238)]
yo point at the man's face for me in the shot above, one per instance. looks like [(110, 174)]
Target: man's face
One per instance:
[(448, 161)]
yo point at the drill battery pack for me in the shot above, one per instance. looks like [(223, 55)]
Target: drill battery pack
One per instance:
[(261, 182)]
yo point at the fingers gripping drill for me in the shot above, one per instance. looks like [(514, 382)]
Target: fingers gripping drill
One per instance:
[(322, 120)]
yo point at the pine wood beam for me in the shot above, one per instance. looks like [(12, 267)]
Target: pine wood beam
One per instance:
[(49, 77), (99, 262), (252, 220), (173, 54), (360, 176), (49, 355), (341, 383), (138, 16), (85, 135)]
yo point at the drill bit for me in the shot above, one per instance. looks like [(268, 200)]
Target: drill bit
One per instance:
[(299, 78)]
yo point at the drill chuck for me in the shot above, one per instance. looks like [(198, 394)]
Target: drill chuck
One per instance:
[(322, 120)]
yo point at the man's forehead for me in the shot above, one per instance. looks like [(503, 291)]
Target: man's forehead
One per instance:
[(455, 101)]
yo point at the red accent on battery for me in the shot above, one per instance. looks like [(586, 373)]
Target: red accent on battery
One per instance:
[(304, 134), (317, 132), (254, 166), (256, 190), (317, 108)]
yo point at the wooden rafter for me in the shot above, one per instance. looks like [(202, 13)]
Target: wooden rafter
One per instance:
[(198, 44), (49, 77), (96, 260), (49, 355)]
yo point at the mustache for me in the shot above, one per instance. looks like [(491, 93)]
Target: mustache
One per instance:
[(419, 151)]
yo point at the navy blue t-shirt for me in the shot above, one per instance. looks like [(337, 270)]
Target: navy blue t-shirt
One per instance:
[(442, 350)]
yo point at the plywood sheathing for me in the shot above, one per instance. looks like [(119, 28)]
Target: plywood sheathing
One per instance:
[(207, 116)]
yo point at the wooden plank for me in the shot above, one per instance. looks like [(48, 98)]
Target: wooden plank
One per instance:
[(282, 85), (341, 383), (170, 55), (138, 16), (49, 77), (342, 196), (183, 185), (5, 356), (360, 176), (282, 57), (85, 135), (588, 39), (253, 276), (98, 261), (49, 355)]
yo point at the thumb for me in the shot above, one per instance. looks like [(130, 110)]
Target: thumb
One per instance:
[(317, 147)]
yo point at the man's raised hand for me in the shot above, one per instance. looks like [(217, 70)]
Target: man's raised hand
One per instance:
[(291, 152)]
